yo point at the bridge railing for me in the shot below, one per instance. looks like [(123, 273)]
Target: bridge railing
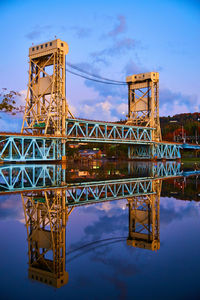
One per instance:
[(86, 130)]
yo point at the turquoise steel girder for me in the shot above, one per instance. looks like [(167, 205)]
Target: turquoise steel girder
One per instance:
[(139, 139), (94, 131), (155, 150), (28, 148), (140, 151), (191, 147), (166, 151)]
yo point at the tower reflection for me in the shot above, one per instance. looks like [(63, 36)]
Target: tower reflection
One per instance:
[(144, 219), (46, 215)]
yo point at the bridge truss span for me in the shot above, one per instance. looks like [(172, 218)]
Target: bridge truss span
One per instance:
[(29, 148), (167, 151), (95, 131), (155, 150)]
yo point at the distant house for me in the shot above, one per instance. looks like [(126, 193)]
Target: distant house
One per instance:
[(83, 173), (90, 154), (73, 146)]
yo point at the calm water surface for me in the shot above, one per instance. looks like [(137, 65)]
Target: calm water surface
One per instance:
[(144, 245)]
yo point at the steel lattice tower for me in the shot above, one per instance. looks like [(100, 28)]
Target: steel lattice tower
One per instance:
[(46, 107), (46, 216), (143, 102)]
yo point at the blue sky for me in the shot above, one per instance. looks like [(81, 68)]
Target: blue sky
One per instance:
[(113, 39)]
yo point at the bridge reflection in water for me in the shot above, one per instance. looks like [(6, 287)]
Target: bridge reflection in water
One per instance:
[(48, 200), (46, 215)]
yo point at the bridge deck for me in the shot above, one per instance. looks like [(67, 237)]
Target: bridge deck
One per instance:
[(33, 147)]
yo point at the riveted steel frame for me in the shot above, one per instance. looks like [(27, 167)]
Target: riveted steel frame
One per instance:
[(94, 131), (28, 148), (140, 151), (166, 151), (46, 106), (155, 151), (144, 104)]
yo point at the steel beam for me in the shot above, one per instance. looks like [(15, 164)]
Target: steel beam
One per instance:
[(166, 151), (28, 148), (155, 151), (94, 131)]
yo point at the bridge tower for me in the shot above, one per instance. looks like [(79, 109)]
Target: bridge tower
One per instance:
[(143, 102), (144, 219), (46, 107), (45, 217)]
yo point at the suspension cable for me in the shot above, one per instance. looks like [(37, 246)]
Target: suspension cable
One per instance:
[(88, 78), (94, 75)]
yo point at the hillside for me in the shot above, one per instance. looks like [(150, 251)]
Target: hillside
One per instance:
[(187, 124)]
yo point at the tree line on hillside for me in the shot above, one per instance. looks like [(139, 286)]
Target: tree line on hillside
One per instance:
[(189, 123)]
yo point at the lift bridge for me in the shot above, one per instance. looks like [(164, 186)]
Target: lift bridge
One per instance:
[(48, 123)]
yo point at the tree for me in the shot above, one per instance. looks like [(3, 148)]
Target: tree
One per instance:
[(8, 101)]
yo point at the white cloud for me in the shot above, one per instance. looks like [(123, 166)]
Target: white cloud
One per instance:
[(98, 111), (173, 109), (110, 207), (172, 103), (122, 109)]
